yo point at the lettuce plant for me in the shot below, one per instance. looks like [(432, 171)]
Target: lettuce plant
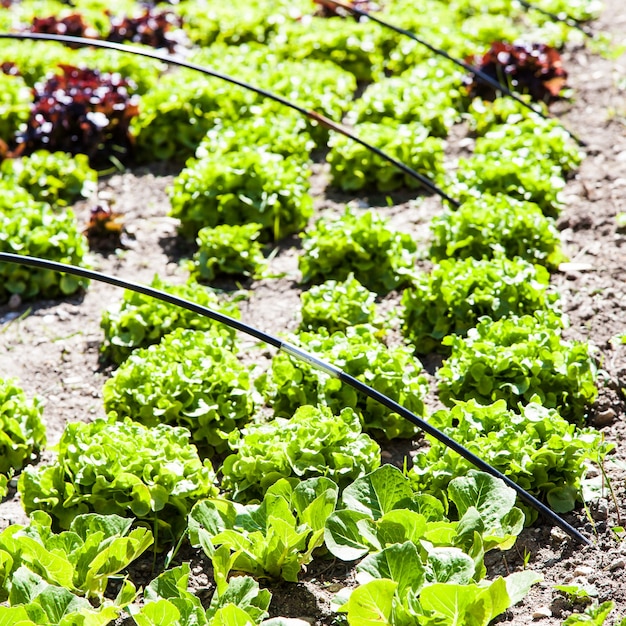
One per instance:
[(438, 20), (336, 305), (417, 561), (428, 94), (227, 251), (189, 379), (80, 110), (239, 188), (57, 178), (228, 23), (37, 230), (15, 101), (483, 116), (239, 600), (519, 174), (139, 321), (519, 360), (273, 539), (534, 446), (314, 442), (81, 559), (313, 83), (362, 244), (543, 138), (382, 508), (354, 167), (352, 45), (391, 595), (455, 294), (360, 353), (38, 603), (22, 432), (490, 225), (269, 130), (121, 468), (176, 114)]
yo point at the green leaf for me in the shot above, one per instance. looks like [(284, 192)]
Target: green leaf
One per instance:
[(314, 500), (343, 535), (371, 604), (14, 616), (458, 604), (495, 503), (401, 525), (518, 584), (400, 563), (243, 592), (158, 613), (378, 493), (450, 565), (231, 615)]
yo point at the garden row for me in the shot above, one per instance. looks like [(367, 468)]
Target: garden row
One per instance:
[(308, 479)]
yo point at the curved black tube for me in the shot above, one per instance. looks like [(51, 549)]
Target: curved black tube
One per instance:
[(559, 17), (309, 358), (480, 75), (173, 60)]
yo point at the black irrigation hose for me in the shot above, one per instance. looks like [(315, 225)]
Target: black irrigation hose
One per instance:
[(313, 115), (559, 17), (479, 74), (302, 355)]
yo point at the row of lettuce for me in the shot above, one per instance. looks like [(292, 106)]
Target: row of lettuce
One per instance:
[(182, 407)]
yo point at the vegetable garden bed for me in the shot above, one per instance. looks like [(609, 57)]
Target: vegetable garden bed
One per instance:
[(54, 347)]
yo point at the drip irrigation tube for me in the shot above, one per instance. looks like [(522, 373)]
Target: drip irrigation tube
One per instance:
[(311, 359), (479, 74), (559, 17), (313, 115)]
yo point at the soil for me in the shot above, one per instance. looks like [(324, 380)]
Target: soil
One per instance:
[(53, 346)]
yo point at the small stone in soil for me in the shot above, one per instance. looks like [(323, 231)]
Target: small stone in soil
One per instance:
[(15, 301), (541, 612), (603, 418), (556, 534)]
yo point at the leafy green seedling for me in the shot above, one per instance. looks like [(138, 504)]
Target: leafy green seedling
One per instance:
[(456, 294), (361, 353), (536, 447), (227, 251), (239, 188), (497, 224), (360, 243), (336, 305), (168, 601), (190, 379), (273, 539), (354, 167), (139, 321), (520, 360), (22, 432), (82, 559), (313, 442), (122, 468), (57, 178)]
